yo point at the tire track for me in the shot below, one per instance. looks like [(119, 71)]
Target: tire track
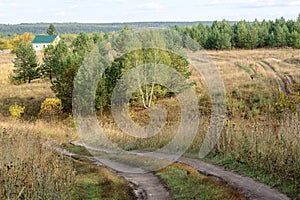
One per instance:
[(247, 186), (282, 84)]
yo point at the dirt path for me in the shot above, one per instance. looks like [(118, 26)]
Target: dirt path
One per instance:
[(145, 185), (245, 185), (285, 80), (268, 67)]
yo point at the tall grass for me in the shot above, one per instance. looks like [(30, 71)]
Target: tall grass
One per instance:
[(29, 170)]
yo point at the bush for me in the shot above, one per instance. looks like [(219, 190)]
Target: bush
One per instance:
[(51, 107), (16, 111), (13, 81)]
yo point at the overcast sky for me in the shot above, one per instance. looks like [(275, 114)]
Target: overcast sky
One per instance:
[(19, 11)]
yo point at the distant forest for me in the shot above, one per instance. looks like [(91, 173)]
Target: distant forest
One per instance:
[(75, 28), (219, 35)]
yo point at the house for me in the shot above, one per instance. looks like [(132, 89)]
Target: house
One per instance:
[(42, 41)]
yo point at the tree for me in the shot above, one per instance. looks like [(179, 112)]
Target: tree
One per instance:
[(63, 65), (51, 30), (53, 55), (5, 44), (63, 83), (263, 34), (294, 40), (220, 36), (147, 55), (25, 63), (241, 33), (252, 37), (17, 40), (82, 45)]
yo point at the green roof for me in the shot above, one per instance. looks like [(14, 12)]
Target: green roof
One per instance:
[(44, 39)]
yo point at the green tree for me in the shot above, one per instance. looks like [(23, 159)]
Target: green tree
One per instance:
[(63, 84), (294, 40), (280, 35), (220, 36), (97, 38), (252, 37), (263, 34), (51, 30), (297, 24), (26, 63), (64, 64), (53, 55), (143, 55), (203, 34), (241, 34), (82, 45)]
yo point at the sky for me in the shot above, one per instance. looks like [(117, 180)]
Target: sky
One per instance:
[(104, 11)]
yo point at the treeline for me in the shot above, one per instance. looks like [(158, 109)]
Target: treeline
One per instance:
[(222, 35), (76, 28), (62, 62)]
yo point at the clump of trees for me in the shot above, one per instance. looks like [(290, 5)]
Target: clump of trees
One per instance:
[(13, 41), (25, 63), (61, 62), (51, 30), (246, 35)]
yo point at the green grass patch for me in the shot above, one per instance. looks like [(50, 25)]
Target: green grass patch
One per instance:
[(292, 189), (93, 182), (187, 183), (76, 149), (244, 67)]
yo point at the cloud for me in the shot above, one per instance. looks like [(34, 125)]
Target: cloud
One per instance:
[(253, 3), (120, 1), (74, 6), (62, 14), (294, 3), (152, 6), (17, 5)]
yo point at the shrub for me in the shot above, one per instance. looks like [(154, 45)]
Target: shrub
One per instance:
[(51, 107), (13, 81), (16, 111)]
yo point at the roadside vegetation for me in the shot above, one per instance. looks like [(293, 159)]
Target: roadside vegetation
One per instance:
[(260, 137), (184, 181)]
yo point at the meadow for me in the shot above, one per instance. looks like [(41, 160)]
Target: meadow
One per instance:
[(258, 139)]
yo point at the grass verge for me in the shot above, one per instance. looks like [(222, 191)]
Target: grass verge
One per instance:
[(291, 188), (187, 183), (93, 182)]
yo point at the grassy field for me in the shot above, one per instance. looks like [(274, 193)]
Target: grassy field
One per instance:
[(256, 140), (29, 169)]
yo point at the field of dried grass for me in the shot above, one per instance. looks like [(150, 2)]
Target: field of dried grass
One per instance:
[(254, 136), (31, 170)]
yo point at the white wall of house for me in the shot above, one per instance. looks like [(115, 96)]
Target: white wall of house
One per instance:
[(41, 46)]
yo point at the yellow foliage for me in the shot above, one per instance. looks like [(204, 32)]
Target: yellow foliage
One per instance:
[(16, 111), (17, 40), (51, 107), (5, 44)]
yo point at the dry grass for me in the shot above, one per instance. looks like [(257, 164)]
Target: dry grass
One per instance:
[(29, 95), (254, 134), (28, 170)]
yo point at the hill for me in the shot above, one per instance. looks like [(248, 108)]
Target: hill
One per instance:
[(74, 28)]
